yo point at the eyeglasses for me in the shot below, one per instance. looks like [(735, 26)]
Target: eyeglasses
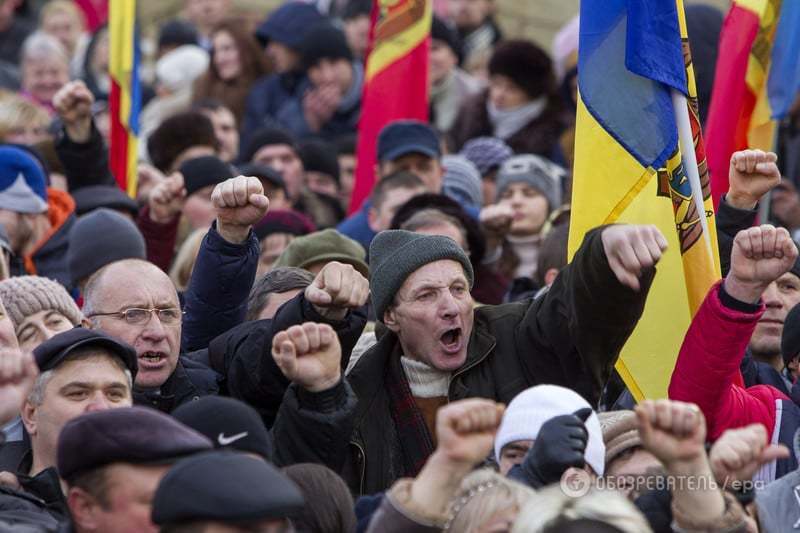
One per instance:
[(137, 316)]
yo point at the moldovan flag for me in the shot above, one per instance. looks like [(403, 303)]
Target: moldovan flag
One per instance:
[(756, 79), (396, 80), (639, 160), (125, 98)]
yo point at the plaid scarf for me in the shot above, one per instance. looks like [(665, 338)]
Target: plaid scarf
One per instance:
[(416, 443)]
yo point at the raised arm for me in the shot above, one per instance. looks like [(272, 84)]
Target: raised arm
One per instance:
[(226, 264), (707, 369), (573, 334)]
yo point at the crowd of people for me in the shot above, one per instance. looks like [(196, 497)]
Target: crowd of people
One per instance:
[(230, 351)]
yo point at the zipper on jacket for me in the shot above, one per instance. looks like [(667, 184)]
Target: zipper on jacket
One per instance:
[(473, 364), (363, 461)]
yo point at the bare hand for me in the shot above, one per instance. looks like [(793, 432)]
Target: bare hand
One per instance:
[(239, 203), (632, 249), (739, 453), (675, 432), (760, 256), (73, 103), (319, 105), (497, 218), (309, 355), (337, 288), (752, 174), (465, 429), (18, 373), (166, 199)]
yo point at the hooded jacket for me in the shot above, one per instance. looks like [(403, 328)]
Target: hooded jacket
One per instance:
[(571, 337)]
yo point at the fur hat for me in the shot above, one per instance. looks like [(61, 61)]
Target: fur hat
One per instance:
[(178, 133), (526, 65)]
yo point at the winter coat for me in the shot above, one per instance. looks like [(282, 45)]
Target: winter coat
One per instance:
[(40, 500), (85, 164), (571, 337), (777, 504), (216, 300), (540, 136), (707, 374), (49, 258), (189, 381), (266, 98)]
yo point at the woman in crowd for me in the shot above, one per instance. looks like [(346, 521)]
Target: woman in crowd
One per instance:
[(236, 62)]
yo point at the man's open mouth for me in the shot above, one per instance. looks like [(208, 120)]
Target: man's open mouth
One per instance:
[(451, 340), (152, 358)]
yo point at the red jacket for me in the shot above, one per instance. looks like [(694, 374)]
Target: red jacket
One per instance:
[(707, 370)]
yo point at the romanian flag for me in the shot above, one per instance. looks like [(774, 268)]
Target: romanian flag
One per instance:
[(756, 80), (125, 99), (395, 82), (639, 159)]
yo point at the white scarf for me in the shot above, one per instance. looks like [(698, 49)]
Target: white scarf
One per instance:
[(425, 381), (507, 122)]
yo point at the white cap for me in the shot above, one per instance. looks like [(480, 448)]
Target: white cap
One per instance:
[(178, 68), (531, 408)]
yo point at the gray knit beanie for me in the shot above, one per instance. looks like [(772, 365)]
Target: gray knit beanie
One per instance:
[(101, 238), (24, 296), (538, 172), (462, 181), (396, 254)]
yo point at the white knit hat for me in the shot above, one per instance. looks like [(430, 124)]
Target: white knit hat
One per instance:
[(531, 408), (179, 68)]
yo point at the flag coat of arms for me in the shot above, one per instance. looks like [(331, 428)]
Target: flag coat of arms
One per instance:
[(639, 159)]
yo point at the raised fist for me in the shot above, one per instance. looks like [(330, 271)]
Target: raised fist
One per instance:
[(309, 355), (675, 432), (752, 174), (239, 203), (497, 218), (18, 373), (166, 199), (632, 249), (465, 429), (739, 453), (337, 288), (73, 103), (760, 256)]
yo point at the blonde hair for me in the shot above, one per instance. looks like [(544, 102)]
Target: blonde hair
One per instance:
[(67, 7), (18, 113), (181, 271), (483, 494), (550, 507)]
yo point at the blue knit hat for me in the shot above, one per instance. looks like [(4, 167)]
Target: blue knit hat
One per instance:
[(462, 181), (289, 24), (23, 181), (486, 153)]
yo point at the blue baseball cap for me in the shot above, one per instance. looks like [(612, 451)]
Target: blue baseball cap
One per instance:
[(404, 137)]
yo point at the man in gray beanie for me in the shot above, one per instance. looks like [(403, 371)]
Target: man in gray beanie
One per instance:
[(538, 172), (440, 348)]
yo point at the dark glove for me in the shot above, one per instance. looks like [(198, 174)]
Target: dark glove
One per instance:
[(561, 444)]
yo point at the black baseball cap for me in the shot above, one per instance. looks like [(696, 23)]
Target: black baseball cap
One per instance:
[(404, 137), (53, 351)]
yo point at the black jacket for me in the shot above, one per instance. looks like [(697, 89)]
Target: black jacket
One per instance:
[(40, 502), (189, 381), (571, 336)]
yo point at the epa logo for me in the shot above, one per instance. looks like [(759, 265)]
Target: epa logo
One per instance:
[(575, 483)]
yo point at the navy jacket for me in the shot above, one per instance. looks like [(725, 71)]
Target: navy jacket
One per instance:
[(268, 95)]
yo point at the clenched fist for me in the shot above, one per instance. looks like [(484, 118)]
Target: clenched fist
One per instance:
[(73, 103), (760, 256), (675, 432), (18, 373), (337, 288), (166, 199), (632, 249), (239, 203), (309, 355), (752, 174), (739, 453), (465, 429)]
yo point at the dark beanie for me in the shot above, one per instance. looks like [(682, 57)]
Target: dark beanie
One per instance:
[(263, 173), (283, 221), (396, 254), (100, 238), (178, 133), (267, 137), (319, 156), (204, 171), (357, 8), (440, 31), (790, 339), (288, 24), (526, 65), (324, 41), (93, 197), (177, 32)]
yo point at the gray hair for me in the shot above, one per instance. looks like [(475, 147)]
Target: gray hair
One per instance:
[(429, 217), (40, 45), (36, 396), (277, 280)]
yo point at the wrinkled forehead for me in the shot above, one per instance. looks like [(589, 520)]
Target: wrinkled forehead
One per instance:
[(135, 283), (442, 273)]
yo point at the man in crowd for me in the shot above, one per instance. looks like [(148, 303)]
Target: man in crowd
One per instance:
[(406, 145)]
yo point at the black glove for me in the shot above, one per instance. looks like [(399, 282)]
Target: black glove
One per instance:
[(561, 444)]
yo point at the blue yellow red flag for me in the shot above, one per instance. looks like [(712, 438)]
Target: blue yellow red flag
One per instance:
[(639, 159), (125, 95)]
